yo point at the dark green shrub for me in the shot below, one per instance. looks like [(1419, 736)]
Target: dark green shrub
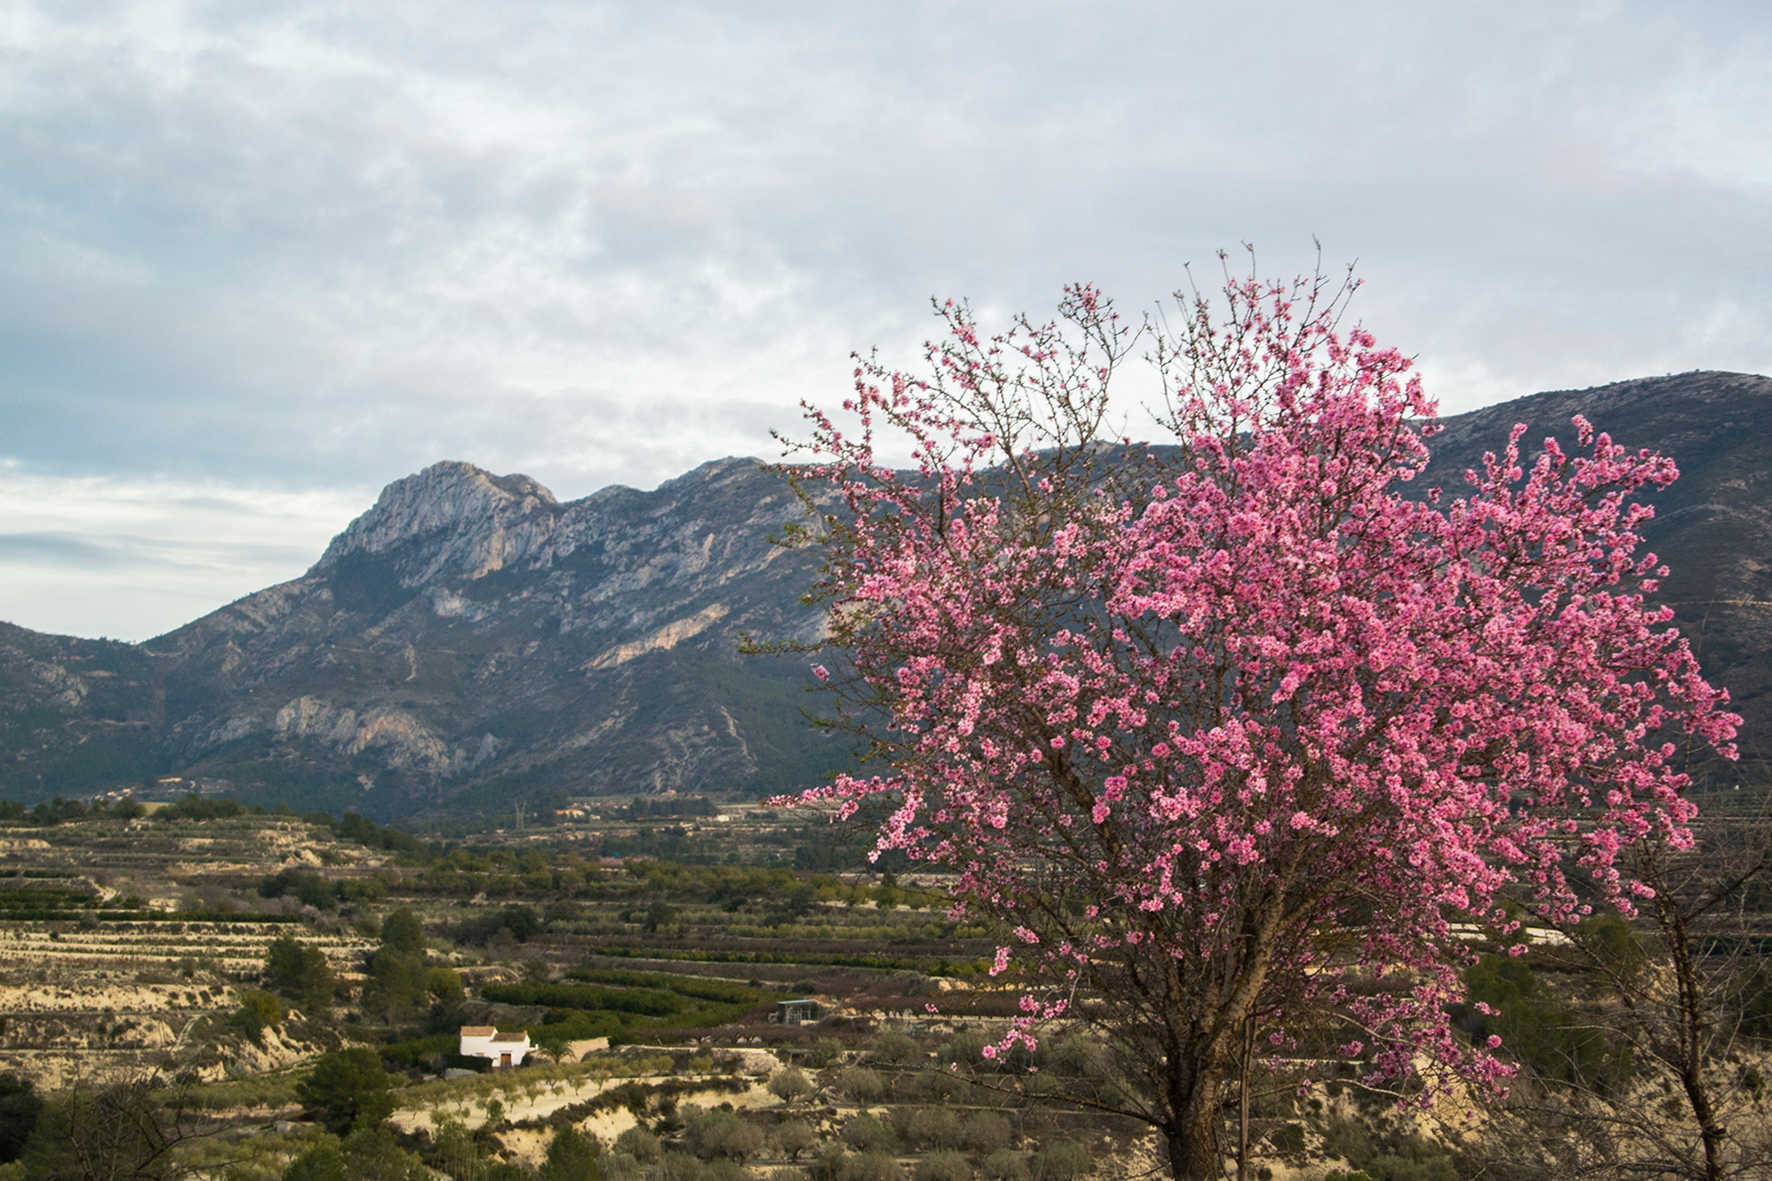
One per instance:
[(347, 1088), (1610, 940), (258, 1011), (19, 1107), (402, 932), (1752, 998), (724, 1169), (828, 1163), (964, 1049), (1347, 1139), (300, 972), (367, 1154), (572, 1156), (1391, 1167), (620, 1166), (1538, 1028), (1411, 1158)]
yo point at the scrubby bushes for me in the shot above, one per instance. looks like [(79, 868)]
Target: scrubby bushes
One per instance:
[(867, 1132), (985, 1132), (572, 1156), (1540, 1029), (365, 1153), (638, 1143), (895, 1049), (932, 1127), (944, 1166), (789, 1084), (792, 1137), (1060, 1160), (721, 1133), (258, 1011), (859, 1084), (1005, 1164), (869, 1166), (518, 921), (1388, 1158)]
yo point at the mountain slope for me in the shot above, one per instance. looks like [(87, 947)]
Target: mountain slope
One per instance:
[(1713, 526), (470, 638), (471, 641)]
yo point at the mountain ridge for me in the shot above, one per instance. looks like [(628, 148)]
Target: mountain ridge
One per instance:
[(470, 639)]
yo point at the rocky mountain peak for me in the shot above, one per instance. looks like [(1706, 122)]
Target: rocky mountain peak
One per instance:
[(452, 508)]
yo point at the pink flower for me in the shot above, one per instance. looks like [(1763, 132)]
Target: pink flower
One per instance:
[(1278, 663)]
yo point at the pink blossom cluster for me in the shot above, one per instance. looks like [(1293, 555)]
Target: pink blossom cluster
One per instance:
[(1247, 716)]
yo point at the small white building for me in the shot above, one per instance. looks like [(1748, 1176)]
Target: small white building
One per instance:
[(500, 1047)]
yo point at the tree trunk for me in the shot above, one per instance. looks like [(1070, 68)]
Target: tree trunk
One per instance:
[(1194, 1123), (1693, 1019), (1244, 1059)]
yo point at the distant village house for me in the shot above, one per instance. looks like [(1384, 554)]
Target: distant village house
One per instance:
[(500, 1047)]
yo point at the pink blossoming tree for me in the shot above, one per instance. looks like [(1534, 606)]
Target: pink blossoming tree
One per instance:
[(1237, 733)]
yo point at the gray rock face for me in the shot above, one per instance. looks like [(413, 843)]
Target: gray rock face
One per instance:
[(478, 523), (470, 640)]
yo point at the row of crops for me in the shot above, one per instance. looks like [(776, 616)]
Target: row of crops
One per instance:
[(36, 904), (617, 1003), (816, 957)]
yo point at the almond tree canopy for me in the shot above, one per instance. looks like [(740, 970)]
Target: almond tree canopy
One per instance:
[(1235, 733)]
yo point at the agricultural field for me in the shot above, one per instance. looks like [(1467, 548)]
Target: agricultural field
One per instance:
[(122, 943), (194, 969), (134, 945)]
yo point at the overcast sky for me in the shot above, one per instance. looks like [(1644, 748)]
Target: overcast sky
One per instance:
[(259, 259)]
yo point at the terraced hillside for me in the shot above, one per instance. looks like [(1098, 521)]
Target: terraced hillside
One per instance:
[(120, 947)]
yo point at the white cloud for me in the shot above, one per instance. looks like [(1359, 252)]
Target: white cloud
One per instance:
[(131, 559), (318, 245)]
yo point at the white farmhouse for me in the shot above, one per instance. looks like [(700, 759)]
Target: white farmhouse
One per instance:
[(500, 1047)]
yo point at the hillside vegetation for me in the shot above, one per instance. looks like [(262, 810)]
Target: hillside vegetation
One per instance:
[(190, 973)]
